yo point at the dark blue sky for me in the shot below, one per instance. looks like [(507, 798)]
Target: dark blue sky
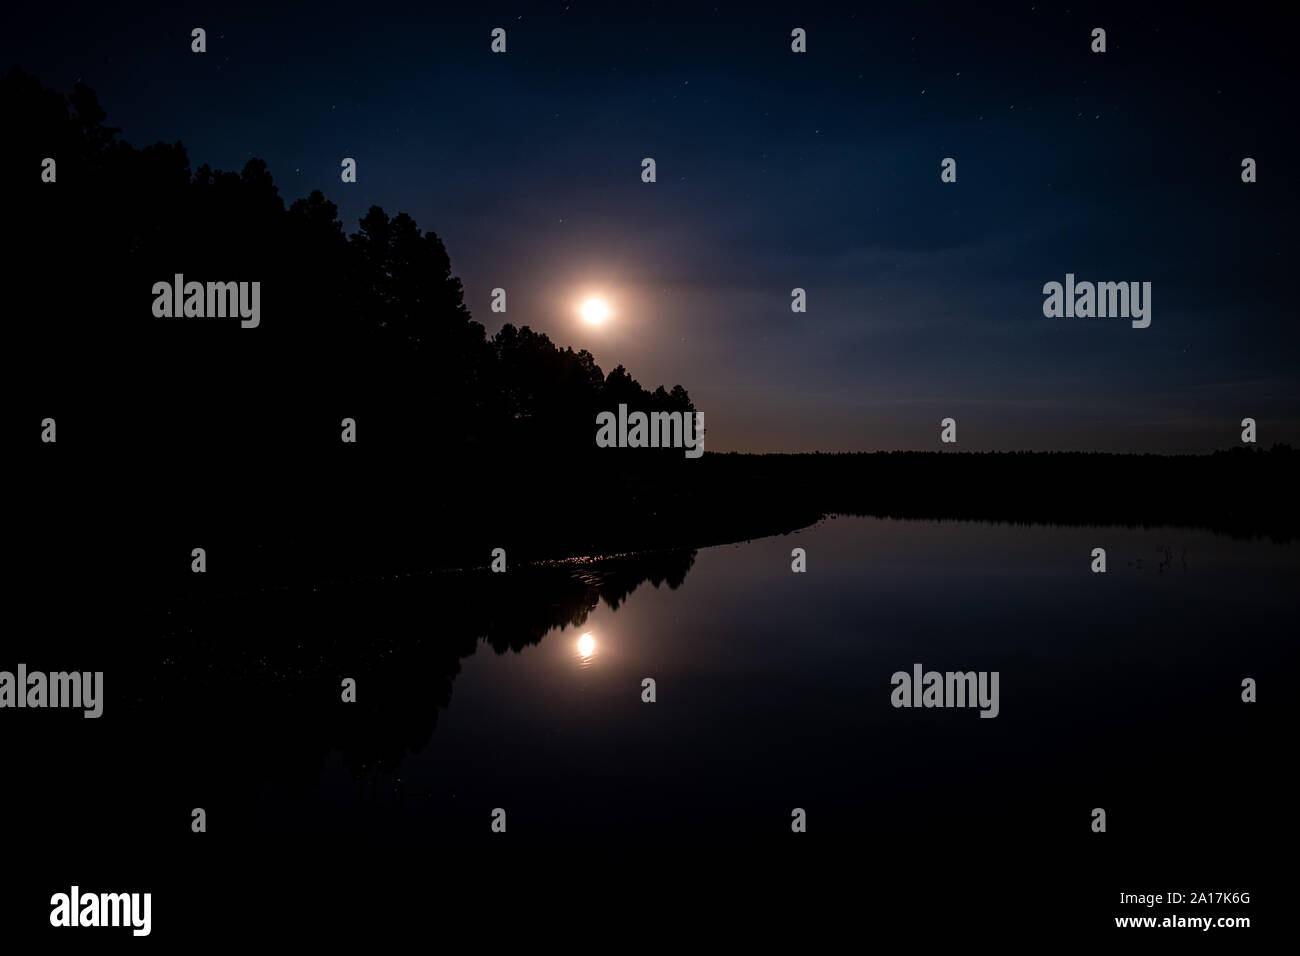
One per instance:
[(778, 170)]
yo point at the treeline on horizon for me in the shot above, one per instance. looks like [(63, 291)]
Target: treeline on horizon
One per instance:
[(1241, 491), (1279, 449), (723, 498)]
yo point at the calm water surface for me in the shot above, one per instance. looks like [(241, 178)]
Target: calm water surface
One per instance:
[(773, 692)]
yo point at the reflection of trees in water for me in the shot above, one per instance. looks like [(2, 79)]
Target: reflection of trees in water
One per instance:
[(261, 671), (616, 580)]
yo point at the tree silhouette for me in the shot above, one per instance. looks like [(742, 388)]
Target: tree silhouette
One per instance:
[(374, 316)]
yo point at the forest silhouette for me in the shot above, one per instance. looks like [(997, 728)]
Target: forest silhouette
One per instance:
[(174, 432), (374, 315)]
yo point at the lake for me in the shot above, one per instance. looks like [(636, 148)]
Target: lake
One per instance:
[(773, 691), (523, 691)]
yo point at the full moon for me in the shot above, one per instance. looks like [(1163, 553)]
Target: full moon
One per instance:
[(595, 311), (586, 645)]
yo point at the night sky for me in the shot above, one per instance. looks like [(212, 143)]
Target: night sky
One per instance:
[(779, 170)]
